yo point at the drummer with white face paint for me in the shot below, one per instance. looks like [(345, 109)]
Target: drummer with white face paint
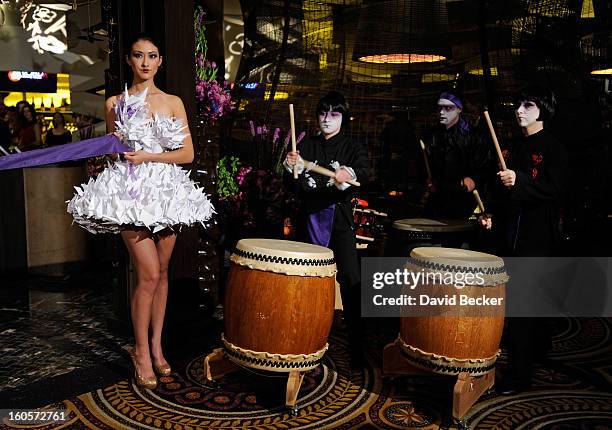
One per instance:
[(330, 123), (326, 210), (449, 113), (459, 160), (527, 217)]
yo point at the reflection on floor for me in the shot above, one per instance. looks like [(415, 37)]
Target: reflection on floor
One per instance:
[(50, 327), (57, 349)]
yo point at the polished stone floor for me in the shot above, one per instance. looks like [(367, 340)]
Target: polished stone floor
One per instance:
[(52, 326)]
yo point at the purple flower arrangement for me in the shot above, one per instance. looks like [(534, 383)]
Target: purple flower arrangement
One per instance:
[(214, 98), (269, 148), (253, 203)]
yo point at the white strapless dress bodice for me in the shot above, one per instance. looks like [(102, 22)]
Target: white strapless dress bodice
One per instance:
[(151, 195)]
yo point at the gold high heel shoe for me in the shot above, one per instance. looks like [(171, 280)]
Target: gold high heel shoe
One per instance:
[(141, 381), (163, 369)]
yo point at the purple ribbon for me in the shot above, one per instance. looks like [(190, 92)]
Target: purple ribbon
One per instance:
[(319, 225), (108, 144)]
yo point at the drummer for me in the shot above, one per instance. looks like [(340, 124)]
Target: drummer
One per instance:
[(527, 218), (326, 212), (460, 160)]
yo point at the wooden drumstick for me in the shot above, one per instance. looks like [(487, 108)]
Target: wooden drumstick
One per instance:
[(479, 201), (293, 142), (502, 162), (426, 160), (309, 165)]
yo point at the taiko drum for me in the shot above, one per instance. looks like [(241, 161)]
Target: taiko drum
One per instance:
[(459, 338), (279, 304)]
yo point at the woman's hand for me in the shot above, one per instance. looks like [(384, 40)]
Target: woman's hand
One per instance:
[(138, 157), (117, 135)]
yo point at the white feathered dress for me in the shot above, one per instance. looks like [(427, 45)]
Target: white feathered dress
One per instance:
[(152, 195)]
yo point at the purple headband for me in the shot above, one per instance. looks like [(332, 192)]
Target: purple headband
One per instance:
[(453, 98), (463, 124)]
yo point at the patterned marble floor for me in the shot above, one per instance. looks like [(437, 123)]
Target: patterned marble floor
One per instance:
[(49, 327)]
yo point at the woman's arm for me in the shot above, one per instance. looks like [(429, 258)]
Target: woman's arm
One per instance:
[(109, 114), (182, 155)]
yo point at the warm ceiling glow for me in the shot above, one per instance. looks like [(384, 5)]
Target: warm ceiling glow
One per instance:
[(480, 72), (437, 77), (602, 72), (401, 58), (587, 9)]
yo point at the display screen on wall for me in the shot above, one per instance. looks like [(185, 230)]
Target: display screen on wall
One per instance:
[(25, 81), (46, 26)]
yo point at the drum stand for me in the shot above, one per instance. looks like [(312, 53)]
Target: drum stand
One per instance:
[(217, 365), (466, 392)]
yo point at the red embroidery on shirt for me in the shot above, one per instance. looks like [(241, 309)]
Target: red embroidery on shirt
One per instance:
[(534, 172), (536, 158)]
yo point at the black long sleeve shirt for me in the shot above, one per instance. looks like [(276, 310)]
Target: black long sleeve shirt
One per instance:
[(530, 210), (315, 191), (454, 154)]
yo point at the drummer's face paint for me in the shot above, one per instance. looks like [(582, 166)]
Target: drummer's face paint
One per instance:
[(449, 113), (527, 113), (330, 123)]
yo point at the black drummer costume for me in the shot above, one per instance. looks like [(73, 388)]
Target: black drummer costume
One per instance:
[(529, 212), (526, 222), (453, 154), (326, 216)]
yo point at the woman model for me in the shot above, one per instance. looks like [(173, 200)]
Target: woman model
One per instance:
[(145, 198)]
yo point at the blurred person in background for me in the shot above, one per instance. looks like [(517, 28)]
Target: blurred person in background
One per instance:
[(5, 131), (58, 135), (11, 118), (30, 135)]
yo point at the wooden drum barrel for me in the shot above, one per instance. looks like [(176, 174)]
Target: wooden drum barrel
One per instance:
[(463, 341), (279, 304)]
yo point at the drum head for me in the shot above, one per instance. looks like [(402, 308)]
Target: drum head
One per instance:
[(459, 260), (432, 225), (285, 256)]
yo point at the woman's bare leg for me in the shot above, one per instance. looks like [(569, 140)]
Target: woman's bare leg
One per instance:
[(142, 249), (165, 245)]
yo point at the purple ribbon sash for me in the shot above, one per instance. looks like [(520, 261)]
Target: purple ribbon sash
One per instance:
[(319, 225), (108, 144)]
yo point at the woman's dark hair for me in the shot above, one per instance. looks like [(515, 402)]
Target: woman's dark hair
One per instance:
[(335, 102), (20, 104), (61, 116), (138, 37), (22, 117), (543, 98)]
